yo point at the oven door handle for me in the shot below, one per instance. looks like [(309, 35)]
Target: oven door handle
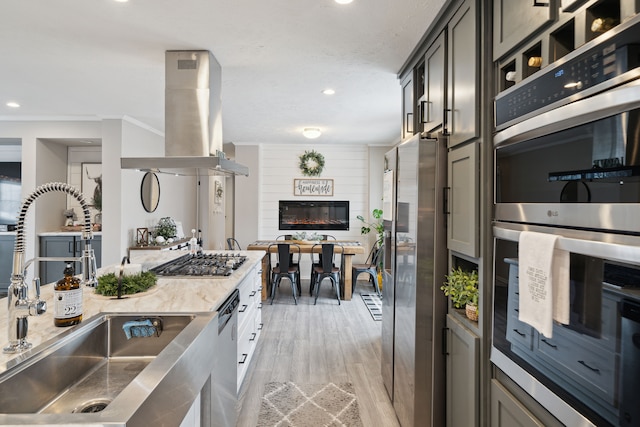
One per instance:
[(599, 245)]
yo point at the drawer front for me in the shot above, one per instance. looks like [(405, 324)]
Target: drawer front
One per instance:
[(594, 368)]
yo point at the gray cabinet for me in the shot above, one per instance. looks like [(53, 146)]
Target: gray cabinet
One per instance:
[(463, 375), (432, 104), (463, 88), (463, 202), (515, 21), (7, 243), (507, 411), (64, 246), (407, 106)]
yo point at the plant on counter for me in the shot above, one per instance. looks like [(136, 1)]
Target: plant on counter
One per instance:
[(166, 229), (462, 287), (136, 283), (377, 225)]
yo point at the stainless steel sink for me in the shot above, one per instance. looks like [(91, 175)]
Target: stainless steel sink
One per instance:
[(94, 375)]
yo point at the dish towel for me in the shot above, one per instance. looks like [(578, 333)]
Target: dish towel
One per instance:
[(544, 282)]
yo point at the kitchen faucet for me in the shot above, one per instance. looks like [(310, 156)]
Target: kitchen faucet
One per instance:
[(20, 304)]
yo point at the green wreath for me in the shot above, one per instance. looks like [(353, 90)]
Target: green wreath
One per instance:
[(311, 163)]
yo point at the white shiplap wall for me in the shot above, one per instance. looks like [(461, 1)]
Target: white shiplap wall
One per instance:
[(348, 166)]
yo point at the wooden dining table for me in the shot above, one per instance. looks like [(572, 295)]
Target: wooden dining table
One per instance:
[(349, 249)]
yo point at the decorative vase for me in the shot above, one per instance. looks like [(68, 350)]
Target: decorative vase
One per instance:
[(472, 312)]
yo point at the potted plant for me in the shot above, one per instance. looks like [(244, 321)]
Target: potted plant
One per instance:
[(166, 229), (377, 225), (462, 287)]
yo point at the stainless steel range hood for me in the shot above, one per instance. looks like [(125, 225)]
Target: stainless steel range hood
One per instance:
[(193, 120)]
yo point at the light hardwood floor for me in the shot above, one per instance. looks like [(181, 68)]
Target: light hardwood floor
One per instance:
[(319, 344)]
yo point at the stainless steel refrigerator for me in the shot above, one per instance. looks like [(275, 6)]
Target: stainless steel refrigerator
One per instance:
[(413, 306)]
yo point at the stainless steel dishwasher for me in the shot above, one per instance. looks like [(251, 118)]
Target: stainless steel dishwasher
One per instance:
[(224, 398)]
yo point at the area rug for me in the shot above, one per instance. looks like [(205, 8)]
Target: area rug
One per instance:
[(374, 305), (309, 405)]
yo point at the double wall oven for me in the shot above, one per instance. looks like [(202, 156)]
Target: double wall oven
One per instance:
[(567, 162)]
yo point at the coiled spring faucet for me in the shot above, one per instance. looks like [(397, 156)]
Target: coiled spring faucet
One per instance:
[(21, 305)]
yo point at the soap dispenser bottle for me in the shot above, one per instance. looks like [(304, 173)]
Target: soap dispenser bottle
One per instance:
[(193, 242), (67, 295)]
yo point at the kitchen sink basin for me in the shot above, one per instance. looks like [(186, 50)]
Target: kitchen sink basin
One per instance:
[(94, 374)]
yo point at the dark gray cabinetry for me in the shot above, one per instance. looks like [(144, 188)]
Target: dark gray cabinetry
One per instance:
[(463, 200), (463, 94), (514, 21), (407, 106), (463, 375), (7, 243), (432, 103), (64, 246), (507, 411)]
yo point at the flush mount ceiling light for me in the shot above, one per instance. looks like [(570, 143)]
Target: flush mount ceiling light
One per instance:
[(329, 91), (311, 133), (13, 104), (343, 1)]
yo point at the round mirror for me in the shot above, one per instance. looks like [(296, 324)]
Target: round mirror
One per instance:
[(150, 191)]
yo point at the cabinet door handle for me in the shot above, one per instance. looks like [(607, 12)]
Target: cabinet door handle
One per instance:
[(548, 343), (260, 326), (252, 294), (253, 336), (445, 200), (583, 363), (245, 355), (445, 121), (540, 3), (244, 306), (409, 122), (519, 333), (260, 306), (424, 112)]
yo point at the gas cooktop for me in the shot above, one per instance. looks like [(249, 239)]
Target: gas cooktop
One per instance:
[(201, 264)]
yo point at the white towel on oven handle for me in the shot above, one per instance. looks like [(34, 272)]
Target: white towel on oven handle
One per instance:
[(543, 281)]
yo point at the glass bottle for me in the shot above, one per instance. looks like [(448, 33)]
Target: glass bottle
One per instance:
[(67, 295)]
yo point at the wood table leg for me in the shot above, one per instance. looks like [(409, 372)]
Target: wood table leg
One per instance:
[(346, 271), (266, 269)]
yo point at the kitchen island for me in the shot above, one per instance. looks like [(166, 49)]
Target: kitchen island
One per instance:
[(170, 295)]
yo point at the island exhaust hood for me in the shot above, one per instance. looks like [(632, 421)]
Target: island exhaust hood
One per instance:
[(193, 120)]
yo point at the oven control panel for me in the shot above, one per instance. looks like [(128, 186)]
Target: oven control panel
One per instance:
[(575, 76)]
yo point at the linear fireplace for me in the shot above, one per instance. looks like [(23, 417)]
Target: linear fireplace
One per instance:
[(313, 215)]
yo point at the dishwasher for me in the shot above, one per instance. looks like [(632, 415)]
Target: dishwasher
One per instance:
[(224, 397)]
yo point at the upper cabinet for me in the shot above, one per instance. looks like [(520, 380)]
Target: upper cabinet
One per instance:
[(407, 107), (432, 73), (462, 119), (516, 20)]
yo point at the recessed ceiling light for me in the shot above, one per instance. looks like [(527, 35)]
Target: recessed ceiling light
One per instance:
[(13, 104), (311, 133), (343, 1), (329, 91)]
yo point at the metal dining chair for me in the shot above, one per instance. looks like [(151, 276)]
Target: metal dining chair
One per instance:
[(232, 244), (286, 268), (370, 266), (325, 269)]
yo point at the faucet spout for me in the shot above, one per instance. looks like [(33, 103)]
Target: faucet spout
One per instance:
[(20, 304)]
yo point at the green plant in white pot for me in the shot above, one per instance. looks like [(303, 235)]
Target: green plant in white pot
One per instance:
[(462, 287)]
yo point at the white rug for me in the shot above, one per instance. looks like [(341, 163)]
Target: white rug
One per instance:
[(374, 305), (309, 405)]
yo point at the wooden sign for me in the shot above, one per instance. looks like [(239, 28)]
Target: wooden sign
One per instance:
[(313, 187)]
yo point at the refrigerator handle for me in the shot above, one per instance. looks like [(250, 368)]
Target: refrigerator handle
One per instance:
[(445, 334), (445, 200)]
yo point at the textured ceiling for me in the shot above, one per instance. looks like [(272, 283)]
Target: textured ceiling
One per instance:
[(103, 58)]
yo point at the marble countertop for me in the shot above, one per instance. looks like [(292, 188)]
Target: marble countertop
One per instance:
[(170, 295)]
